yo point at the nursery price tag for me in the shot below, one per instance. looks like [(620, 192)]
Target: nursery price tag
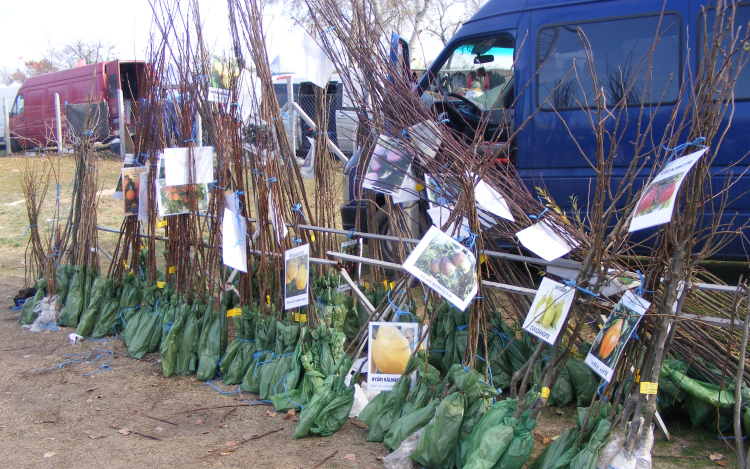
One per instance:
[(649, 388), (312, 237), (300, 317), (172, 269), (420, 187), (545, 393), (161, 224), (234, 312), (160, 284)]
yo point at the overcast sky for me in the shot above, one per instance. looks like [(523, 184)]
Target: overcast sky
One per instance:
[(28, 26)]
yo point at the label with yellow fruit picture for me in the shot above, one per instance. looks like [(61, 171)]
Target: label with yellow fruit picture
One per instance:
[(613, 336), (390, 345), (548, 312), (296, 277)]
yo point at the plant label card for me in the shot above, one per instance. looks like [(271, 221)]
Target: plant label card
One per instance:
[(233, 245), (545, 242), (131, 181), (354, 269), (176, 200), (656, 205), (388, 166), (426, 137), (615, 284), (297, 276), (389, 347), (177, 169), (440, 216), (614, 335), (490, 200), (143, 196), (548, 312), (220, 80), (446, 266), (437, 195)]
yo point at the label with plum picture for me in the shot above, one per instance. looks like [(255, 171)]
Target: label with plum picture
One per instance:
[(656, 205), (446, 266)]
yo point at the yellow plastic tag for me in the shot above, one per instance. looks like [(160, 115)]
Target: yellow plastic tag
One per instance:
[(393, 285), (161, 224), (367, 285), (482, 258), (160, 284), (649, 388), (300, 317), (545, 393), (268, 300), (420, 187), (638, 376), (124, 264), (234, 312), (312, 237), (172, 269)]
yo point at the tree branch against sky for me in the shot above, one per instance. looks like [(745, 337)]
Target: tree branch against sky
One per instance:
[(446, 16)]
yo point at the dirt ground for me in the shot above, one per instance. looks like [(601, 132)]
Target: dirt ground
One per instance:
[(63, 418)]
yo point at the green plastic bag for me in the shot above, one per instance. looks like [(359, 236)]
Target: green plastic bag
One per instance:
[(408, 424), (133, 324), (520, 447), (556, 454), (62, 281), (440, 436), (235, 363), (99, 292), (108, 313), (170, 345), (388, 410), (587, 457), (421, 394), (561, 393), (494, 416), (283, 365), (28, 315), (71, 312), (472, 384), (140, 342), (472, 417), (491, 448), (583, 380), (334, 415), (209, 349), (320, 400), (187, 349)]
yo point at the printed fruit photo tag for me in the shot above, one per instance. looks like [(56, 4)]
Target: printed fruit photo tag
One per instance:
[(549, 310), (656, 205), (297, 276), (446, 266), (388, 166), (389, 347), (614, 335)]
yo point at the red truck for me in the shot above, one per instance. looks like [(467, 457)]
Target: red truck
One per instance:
[(88, 89)]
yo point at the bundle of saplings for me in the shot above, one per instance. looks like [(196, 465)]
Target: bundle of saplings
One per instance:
[(101, 322), (297, 394), (133, 322), (330, 301), (209, 344), (63, 275), (177, 316), (275, 373), (265, 342), (29, 312), (78, 290)]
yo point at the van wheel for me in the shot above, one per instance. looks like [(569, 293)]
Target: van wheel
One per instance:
[(14, 146)]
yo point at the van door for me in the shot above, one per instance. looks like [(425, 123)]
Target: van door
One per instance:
[(112, 71), (559, 140), (63, 91)]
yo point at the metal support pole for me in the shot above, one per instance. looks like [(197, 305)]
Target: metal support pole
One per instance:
[(7, 126), (199, 129), (58, 125), (121, 121), (292, 116)]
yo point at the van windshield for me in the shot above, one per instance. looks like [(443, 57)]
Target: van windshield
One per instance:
[(17, 106), (477, 70)]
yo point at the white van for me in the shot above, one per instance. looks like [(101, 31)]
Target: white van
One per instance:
[(9, 93)]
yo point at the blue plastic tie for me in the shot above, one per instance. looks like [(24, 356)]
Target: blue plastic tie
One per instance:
[(25, 231), (572, 283), (351, 233), (271, 179), (297, 240), (680, 148), (639, 289), (298, 208), (462, 328), (540, 215)]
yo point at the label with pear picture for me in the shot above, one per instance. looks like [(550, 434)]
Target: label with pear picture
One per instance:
[(549, 310), (296, 277), (390, 345)]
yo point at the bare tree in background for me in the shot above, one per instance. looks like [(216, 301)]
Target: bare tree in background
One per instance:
[(61, 58), (446, 16)]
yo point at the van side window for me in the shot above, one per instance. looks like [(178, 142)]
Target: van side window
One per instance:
[(478, 70), (741, 21), (17, 106), (619, 52)]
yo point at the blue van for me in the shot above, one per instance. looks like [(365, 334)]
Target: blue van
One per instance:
[(497, 53)]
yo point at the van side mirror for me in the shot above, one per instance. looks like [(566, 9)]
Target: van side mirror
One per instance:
[(483, 59)]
